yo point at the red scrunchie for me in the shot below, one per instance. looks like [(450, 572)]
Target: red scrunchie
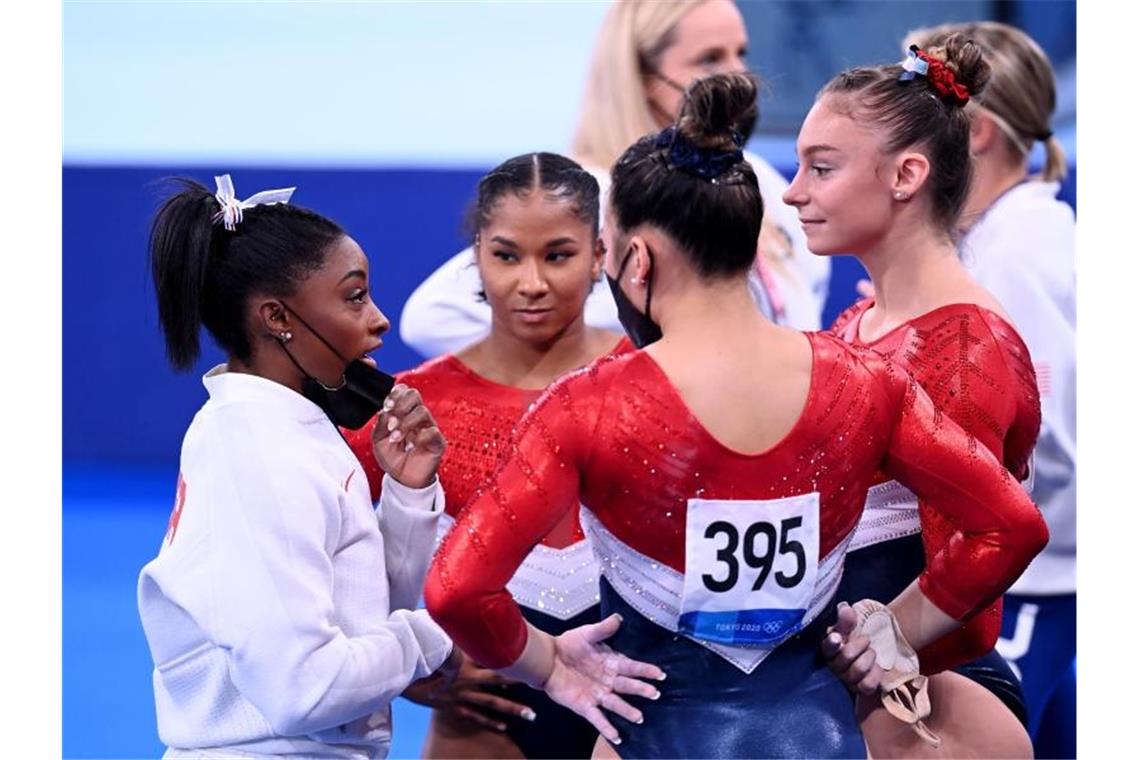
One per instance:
[(944, 80)]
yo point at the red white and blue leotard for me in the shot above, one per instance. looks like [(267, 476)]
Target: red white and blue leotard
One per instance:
[(617, 437), (977, 371)]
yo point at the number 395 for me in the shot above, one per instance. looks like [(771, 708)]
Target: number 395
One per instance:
[(761, 562)]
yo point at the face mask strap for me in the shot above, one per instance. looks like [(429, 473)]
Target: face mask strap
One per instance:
[(343, 377), (297, 364), (314, 332)]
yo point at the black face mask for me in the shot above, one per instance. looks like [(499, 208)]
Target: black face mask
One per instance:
[(359, 396), (640, 328)]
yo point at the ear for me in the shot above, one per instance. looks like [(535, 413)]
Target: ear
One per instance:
[(911, 171), (640, 264), (272, 318)]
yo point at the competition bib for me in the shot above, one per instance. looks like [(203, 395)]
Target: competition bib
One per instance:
[(750, 568)]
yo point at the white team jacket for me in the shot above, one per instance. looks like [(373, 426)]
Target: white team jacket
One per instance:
[(279, 608), (443, 315), (1023, 250)]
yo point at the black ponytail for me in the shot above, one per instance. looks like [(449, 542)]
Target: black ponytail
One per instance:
[(204, 275)]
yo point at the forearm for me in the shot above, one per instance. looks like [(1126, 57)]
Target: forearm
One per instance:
[(920, 620), (534, 665)]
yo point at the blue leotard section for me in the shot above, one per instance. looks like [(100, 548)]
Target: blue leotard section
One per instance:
[(791, 705)]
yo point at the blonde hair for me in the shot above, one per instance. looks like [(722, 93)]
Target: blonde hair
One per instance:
[(1022, 91), (615, 109)]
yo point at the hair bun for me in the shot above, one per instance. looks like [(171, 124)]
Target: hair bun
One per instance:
[(964, 57), (714, 108)]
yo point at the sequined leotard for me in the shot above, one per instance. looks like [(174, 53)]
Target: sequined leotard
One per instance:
[(977, 371), (558, 582), (618, 435)]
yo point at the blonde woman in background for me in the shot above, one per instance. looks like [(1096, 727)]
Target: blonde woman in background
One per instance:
[(1019, 242), (646, 53)]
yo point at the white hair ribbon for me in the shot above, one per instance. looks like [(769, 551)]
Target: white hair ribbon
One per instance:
[(913, 66), (231, 212)]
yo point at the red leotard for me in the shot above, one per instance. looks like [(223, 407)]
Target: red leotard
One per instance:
[(617, 437), (977, 371)]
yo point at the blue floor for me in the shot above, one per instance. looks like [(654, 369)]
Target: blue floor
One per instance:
[(113, 523)]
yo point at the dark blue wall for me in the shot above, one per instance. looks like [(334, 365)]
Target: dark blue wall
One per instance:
[(121, 401)]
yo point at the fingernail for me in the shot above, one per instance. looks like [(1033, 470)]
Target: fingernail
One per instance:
[(615, 740), (656, 694), (640, 719), (392, 423), (834, 639), (395, 436), (661, 677), (528, 714), (388, 404)]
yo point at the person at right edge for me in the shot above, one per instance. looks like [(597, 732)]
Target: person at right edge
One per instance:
[(1019, 243), (885, 172)]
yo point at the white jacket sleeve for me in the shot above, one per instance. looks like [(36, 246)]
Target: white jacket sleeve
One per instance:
[(408, 519), (271, 606)]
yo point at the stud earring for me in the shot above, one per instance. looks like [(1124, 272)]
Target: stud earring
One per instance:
[(286, 336), (901, 196)]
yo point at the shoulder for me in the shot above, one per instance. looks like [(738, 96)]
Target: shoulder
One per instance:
[(843, 370), (250, 448), (1007, 341), (583, 390), (850, 314), (601, 372), (975, 339)]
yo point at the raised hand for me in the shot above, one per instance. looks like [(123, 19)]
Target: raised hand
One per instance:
[(406, 441), (588, 676)]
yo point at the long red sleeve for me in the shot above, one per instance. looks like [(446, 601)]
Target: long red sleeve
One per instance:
[(998, 529), (527, 497)]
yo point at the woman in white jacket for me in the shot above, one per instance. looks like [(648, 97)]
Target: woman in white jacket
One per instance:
[(647, 52), (280, 610)]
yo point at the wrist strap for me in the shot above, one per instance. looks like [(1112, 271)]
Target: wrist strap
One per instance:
[(904, 691)]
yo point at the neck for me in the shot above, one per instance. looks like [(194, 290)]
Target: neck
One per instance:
[(911, 270), (991, 180), (701, 308), (508, 359)]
